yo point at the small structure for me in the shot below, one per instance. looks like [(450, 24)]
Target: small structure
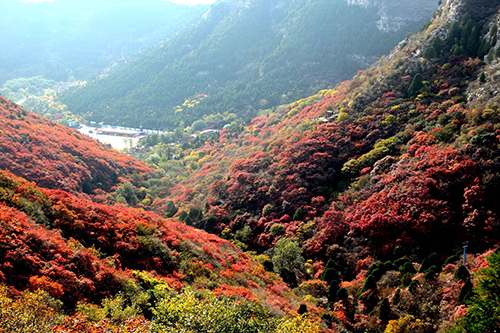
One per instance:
[(120, 132)]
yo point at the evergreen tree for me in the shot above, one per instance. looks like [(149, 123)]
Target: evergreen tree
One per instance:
[(462, 273), (430, 53), (170, 210), (437, 44), (415, 85), (302, 309), (332, 290), (454, 33), (465, 292), (288, 277), (484, 309), (384, 311), (482, 78), (299, 215), (330, 272)]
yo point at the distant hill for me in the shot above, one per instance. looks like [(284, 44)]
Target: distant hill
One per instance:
[(427, 105), (58, 157), (65, 38), (248, 55)]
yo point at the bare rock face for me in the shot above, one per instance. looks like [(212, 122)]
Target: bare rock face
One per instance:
[(395, 14)]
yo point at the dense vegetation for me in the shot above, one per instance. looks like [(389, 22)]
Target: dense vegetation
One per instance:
[(113, 263), (242, 57), (40, 96), (345, 211), (382, 179), (55, 156)]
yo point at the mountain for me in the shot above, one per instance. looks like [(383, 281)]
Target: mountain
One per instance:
[(371, 207), (81, 253), (63, 38), (73, 260), (383, 178), (248, 55), (58, 157)]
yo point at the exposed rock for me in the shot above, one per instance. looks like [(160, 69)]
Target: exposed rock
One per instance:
[(395, 14)]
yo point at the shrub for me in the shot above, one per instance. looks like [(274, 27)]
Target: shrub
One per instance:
[(483, 314), (406, 324), (32, 312), (462, 273), (277, 230)]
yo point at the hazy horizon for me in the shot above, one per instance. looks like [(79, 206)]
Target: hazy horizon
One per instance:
[(188, 2)]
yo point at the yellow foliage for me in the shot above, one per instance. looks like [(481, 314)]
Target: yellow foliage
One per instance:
[(300, 324), (30, 313), (342, 116), (406, 324)]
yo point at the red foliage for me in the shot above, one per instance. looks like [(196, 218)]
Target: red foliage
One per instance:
[(81, 324), (420, 199), (56, 156), (69, 267)]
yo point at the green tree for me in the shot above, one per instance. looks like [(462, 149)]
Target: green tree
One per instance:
[(195, 213), (287, 254), (437, 44), (127, 194), (384, 310), (302, 309), (185, 312), (493, 34), (482, 78), (330, 273), (277, 230), (415, 85), (298, 215), (244, 234), (483, 314), (288, 277), (198, 125), (170, 210), (454, 33), (430, 53)]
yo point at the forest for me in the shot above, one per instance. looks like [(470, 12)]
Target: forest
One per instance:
[(368, 207), (243, 58)]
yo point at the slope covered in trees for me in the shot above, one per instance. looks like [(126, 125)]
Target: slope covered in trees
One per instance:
[(118, 266), (358, 199), (243, 56), (55, 156), (383, 179)]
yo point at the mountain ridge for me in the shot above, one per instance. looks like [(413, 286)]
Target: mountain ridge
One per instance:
[(249, 56)]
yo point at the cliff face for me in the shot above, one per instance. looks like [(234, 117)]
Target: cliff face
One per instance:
[(395, 14)]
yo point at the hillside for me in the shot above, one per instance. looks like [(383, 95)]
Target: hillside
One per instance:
[(58, 157), (74, 254), (59, 39), (346, 211), (244, 56), (382, 178)]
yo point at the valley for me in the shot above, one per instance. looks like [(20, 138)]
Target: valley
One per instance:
[(118, 138), (273, 197)]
